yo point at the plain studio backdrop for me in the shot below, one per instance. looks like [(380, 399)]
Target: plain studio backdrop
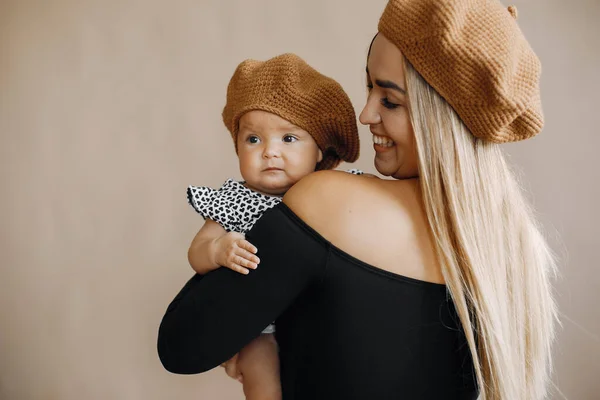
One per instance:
[(110, 108)]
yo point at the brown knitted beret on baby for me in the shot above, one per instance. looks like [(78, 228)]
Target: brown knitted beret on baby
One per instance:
[(288, 87), (475, 56)]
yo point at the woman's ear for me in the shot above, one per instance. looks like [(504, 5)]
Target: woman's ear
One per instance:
[(320, 158)]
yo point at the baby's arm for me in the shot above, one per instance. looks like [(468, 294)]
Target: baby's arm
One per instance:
[(213, 247)]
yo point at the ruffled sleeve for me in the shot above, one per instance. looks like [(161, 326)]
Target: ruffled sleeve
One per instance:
[(217, 205), (200, 198)]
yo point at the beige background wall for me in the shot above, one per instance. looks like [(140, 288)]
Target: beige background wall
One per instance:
[(110, 108)]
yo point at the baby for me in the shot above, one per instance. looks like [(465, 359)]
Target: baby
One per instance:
[(286, 120)]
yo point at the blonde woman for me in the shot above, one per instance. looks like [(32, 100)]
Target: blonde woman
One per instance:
[(432, 285)]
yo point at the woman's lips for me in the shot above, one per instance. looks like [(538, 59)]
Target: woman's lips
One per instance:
[(382, 143), (381, 149)]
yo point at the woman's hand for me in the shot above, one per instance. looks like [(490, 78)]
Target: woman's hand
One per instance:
[(235, 252)]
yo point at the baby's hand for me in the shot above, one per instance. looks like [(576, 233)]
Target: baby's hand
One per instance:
[(235, 252)]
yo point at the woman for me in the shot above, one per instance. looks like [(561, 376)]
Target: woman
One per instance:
[(432, 285)]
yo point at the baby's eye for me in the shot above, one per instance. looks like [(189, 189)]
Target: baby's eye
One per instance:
[(369, 86), (253, 139), (289, 138)]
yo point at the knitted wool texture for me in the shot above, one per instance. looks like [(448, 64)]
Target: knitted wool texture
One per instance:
[(475, 56), (288, 87)]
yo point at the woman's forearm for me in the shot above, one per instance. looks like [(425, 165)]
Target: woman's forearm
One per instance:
[(215, 315)]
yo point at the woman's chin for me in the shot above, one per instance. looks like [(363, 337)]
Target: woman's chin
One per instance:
[(394, 171), (384, 168)]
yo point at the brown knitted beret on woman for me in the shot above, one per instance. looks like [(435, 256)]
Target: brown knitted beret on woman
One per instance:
[(475, 56), (288, 87)]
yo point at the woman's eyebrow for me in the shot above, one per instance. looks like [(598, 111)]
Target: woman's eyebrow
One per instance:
[(389, 85)]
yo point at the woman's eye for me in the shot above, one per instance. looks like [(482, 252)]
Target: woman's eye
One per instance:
[(388, 104), (289, 138), (253, 139), (369, 86)]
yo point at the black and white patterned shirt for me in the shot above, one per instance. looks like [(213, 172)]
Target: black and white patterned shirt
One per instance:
[(233, 206)]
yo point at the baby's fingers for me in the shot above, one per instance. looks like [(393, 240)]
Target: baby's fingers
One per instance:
[(246, 245), (237, 267), (246, 259)]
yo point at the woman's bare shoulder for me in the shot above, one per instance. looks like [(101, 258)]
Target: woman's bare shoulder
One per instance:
[(323, 188), (327, 197), (358, 214)]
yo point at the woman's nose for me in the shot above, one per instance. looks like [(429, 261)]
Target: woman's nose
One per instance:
[(370, 114)]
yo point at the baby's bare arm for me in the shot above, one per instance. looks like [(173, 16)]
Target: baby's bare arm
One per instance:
[(213, 247)]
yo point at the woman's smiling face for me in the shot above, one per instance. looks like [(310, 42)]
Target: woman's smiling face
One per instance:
[(386, 112)]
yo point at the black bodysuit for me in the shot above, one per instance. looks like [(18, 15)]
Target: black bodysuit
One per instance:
[(345, 329)]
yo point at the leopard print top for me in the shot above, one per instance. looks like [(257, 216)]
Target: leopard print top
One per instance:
[(233, 206)]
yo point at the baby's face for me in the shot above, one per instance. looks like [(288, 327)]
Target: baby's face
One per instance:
[(274, 153)]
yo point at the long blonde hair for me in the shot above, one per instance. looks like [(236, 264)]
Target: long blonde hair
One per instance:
[(496, 263)]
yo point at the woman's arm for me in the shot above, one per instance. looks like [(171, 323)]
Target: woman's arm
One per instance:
[(216, 315), (213, 247)]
